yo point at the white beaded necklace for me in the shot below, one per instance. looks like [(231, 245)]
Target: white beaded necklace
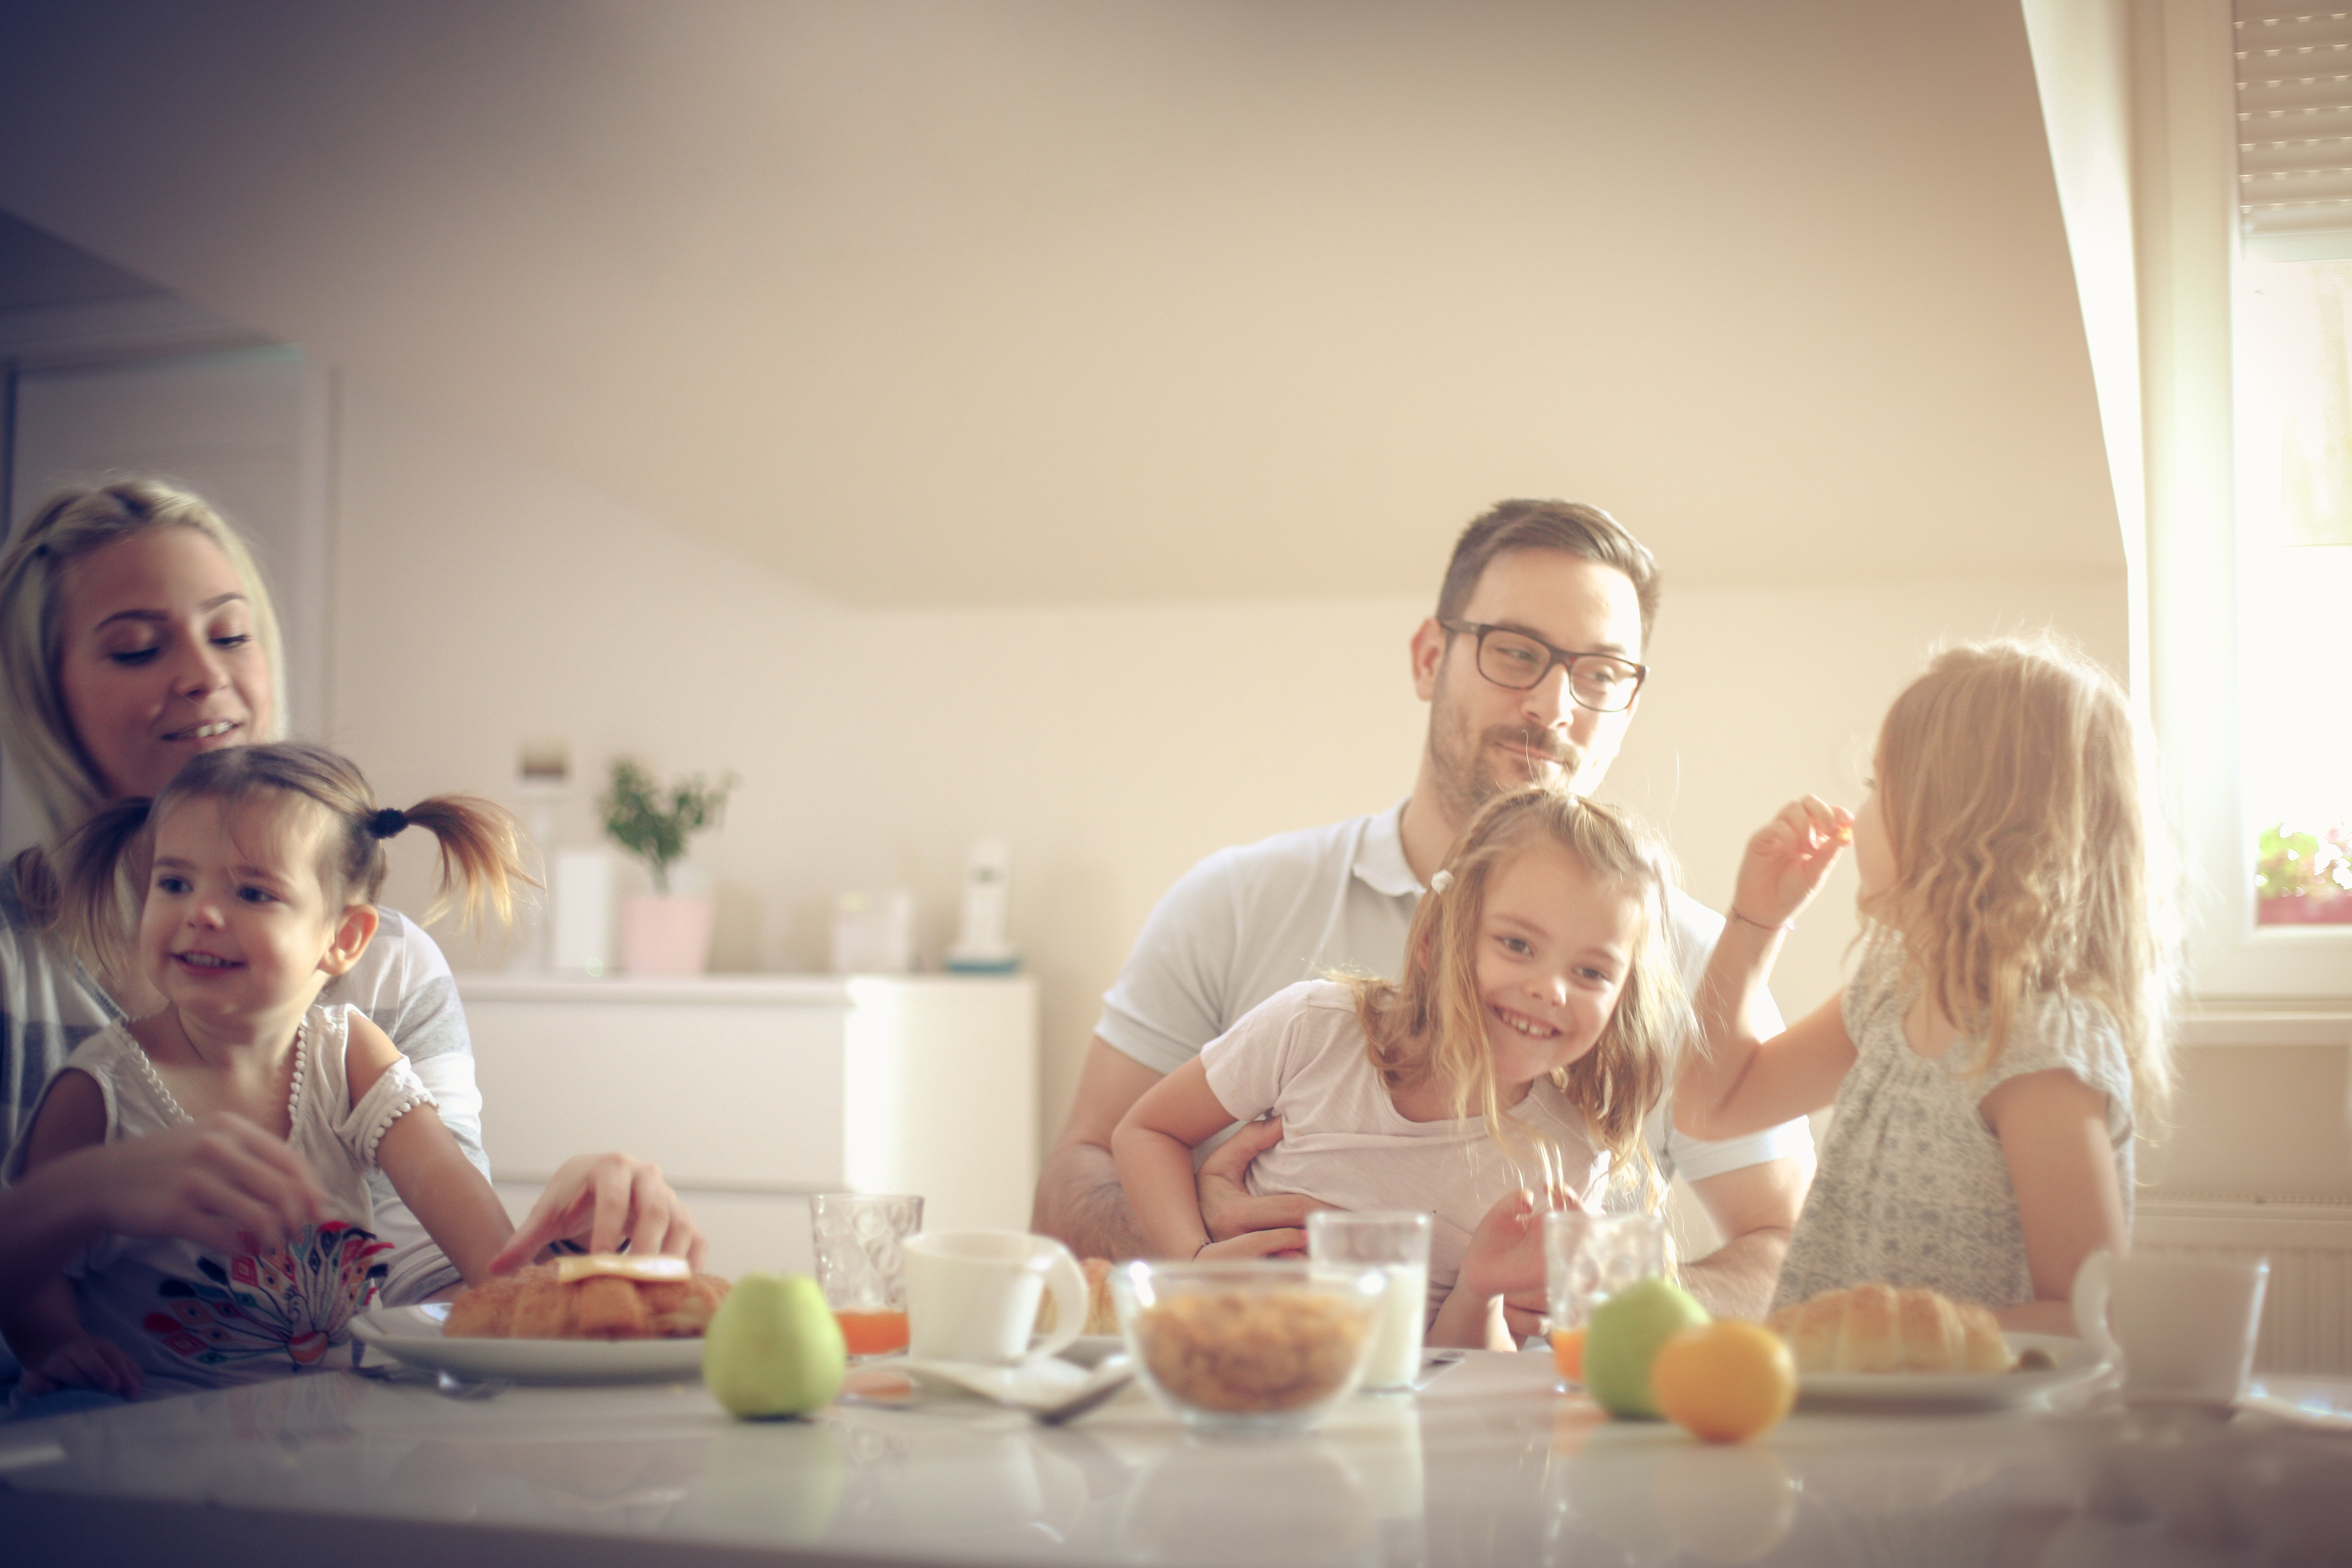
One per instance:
[(155, 1081)]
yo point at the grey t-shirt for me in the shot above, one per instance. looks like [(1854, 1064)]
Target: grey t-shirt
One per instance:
[(1913, 1189), (48, 1005), (1247, 922)]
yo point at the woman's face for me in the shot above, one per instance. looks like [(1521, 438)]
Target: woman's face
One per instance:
[(158, 658)]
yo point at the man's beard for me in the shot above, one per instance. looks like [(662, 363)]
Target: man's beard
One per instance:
[(1469, 782)]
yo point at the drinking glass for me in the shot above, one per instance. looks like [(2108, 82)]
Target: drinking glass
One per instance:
[(1588, 1257), (1395, 1244), (861, 1265)]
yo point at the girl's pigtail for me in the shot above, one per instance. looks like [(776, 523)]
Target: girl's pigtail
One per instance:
[(96, 905), (481, 852)]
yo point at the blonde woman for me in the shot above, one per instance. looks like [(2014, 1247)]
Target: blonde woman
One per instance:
[(136, 633), (2005, 1034)]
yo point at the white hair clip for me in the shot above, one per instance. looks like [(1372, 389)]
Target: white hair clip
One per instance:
[(1442, 881)]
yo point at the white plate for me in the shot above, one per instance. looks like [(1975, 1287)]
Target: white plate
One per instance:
[(413, 1334), (2077, 1363)]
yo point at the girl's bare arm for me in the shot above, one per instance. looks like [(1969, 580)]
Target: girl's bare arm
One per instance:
[(1737, 1082), (1153, 1145), (455, 1202), (2052, 1129)]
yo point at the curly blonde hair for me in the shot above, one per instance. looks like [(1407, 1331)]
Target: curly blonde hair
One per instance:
[(1431, 1021), (2013, 784)]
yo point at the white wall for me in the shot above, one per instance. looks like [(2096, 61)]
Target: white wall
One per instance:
[(483, 600)]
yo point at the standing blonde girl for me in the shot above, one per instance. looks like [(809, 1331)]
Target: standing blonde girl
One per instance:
[(2004, 1035), (249, 885), (1531, 1033)]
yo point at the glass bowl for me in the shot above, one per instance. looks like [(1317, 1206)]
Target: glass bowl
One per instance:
[(1255, 1344)]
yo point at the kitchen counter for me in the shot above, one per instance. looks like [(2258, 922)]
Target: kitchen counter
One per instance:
[(1488, 1464)]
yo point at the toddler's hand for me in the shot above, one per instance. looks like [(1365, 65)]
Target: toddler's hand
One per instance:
[(1788, 859), (84, 1362)]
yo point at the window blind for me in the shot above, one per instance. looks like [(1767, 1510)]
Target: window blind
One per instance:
[(2295, 132)]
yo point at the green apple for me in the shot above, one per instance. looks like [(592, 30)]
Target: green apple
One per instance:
[(1625, 1336), (773, 1348)]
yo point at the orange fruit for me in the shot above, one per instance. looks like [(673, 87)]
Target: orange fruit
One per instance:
[(1568, 1353), (1724, 1380)]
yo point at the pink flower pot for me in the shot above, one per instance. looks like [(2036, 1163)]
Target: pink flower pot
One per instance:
[(664, 933)]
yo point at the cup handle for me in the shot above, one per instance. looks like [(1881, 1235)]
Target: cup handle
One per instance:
[(1067, 1283), (2091, 1289)]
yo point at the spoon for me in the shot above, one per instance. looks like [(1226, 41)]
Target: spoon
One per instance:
[(1110, 1379)]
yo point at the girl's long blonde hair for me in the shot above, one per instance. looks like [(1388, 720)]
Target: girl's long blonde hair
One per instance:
[(1431, 1021), (102, 860), (2014, 788)]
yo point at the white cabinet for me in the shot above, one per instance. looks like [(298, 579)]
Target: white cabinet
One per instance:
[(753, 1093)]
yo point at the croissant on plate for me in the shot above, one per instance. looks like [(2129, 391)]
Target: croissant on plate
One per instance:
[(562, 1300), (1878, 1327)]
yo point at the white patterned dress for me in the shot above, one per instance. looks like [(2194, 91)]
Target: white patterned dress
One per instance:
[(192, 1319)]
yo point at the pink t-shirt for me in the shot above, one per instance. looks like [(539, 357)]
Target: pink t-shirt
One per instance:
[(1299, 1055)]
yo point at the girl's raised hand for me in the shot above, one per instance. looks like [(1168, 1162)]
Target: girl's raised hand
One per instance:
[(1788, 859)]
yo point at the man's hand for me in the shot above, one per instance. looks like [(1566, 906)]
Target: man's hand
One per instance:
[(1227, 1206)]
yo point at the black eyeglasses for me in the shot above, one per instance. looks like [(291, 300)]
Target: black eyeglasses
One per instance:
[(1600, 681)]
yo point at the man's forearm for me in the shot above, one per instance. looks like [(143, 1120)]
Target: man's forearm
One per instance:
[(1738, 1279), (1081, 1204)]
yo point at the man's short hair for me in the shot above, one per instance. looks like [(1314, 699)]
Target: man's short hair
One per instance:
[(1579, 529)]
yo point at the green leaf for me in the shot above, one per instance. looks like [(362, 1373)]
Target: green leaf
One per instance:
[(654, 829)]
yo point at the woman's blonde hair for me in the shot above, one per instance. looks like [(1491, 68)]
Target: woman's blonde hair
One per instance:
[(102, 862), (1431, 1021), (2013, 785), (42, 742)]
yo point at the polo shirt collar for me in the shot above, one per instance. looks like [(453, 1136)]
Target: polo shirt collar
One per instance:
[(1379, 857)]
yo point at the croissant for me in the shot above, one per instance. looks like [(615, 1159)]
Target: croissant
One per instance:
[(1102, 1315), (1877, 1328), (537, 1303)]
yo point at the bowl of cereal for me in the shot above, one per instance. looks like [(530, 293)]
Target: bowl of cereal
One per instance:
[(1253, 1344)]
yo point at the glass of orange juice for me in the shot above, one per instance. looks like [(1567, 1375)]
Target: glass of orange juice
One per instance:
[(1588, 1257), (860, 1265)]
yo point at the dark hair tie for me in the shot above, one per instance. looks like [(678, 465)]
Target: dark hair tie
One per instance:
[(386, 823)]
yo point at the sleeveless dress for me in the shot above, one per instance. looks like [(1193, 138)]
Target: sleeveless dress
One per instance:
[(194, 1321)]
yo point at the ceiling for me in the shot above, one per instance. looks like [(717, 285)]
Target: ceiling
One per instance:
[(1061, 301)]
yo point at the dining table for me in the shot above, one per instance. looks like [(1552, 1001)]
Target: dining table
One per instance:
[(1492, 1461)]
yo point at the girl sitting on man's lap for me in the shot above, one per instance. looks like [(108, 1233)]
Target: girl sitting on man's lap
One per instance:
[(1533, 1030), (263, 864)]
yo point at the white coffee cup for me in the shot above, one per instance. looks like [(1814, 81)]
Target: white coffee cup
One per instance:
[(972, 1295), (2183, 1327)]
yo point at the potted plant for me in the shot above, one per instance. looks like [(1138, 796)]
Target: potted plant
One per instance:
[(662, 933), (2304, 879)]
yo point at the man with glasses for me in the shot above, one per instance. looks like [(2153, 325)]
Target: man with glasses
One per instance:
[(1531, 667)]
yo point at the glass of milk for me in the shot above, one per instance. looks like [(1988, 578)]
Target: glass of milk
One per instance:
[(1397, 1245)]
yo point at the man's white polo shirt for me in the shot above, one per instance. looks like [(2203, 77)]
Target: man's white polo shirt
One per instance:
[(1249, 920)]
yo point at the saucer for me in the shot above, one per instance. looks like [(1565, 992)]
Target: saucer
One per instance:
[(1046, 1380)]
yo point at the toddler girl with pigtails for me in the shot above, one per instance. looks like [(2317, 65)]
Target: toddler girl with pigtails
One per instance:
[(246, 885)]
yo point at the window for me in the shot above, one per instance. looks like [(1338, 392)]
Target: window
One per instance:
[(2294, 586)]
